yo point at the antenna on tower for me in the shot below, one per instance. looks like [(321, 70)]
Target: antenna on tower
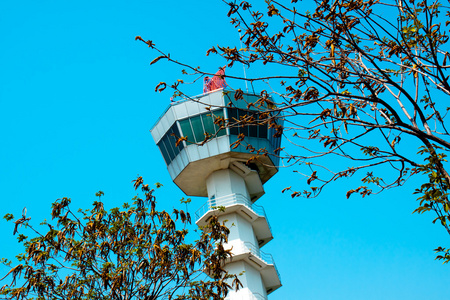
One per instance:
[(243, 65)]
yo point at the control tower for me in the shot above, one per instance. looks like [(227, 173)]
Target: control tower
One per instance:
[(218, 169)]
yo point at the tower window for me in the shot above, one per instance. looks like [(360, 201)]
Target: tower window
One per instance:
[(194, 128), (167, 144)]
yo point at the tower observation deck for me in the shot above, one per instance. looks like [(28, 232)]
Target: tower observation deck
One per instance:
[(218, 170)]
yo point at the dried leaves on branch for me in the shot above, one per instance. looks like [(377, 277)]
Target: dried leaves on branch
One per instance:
[(132, 253), (363, 87)]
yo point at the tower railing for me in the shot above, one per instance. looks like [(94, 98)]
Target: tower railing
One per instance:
[(229, 200), (247, 247)]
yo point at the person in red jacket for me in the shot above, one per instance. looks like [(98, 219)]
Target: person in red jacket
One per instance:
[(215, 83)]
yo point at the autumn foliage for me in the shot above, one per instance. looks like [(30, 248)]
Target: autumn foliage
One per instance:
[(135, 252)]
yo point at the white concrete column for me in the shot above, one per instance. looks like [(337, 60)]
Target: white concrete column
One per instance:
[(225, 183)]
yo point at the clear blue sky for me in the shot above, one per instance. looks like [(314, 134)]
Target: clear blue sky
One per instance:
[(77, 101)]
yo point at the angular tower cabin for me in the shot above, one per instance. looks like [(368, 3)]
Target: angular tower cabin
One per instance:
[(218, 170)]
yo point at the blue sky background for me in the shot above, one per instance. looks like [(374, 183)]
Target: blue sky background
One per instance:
[(77, 101)]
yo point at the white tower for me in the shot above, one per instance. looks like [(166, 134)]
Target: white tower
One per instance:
[(218, 170)]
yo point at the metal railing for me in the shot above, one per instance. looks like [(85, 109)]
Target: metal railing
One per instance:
[(245, 247), (229, 200)]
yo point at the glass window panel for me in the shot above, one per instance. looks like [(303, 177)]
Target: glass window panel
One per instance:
[(166, 142), (173, 141), (187, 130), (253, 129), (263, 128), (262, 131), (218, 114), (177, 135), (199, 132), (208, 123), (243, 129), (164, 152), (232, 117)]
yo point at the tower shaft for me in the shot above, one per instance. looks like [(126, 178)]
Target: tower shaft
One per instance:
[(230, 199)]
